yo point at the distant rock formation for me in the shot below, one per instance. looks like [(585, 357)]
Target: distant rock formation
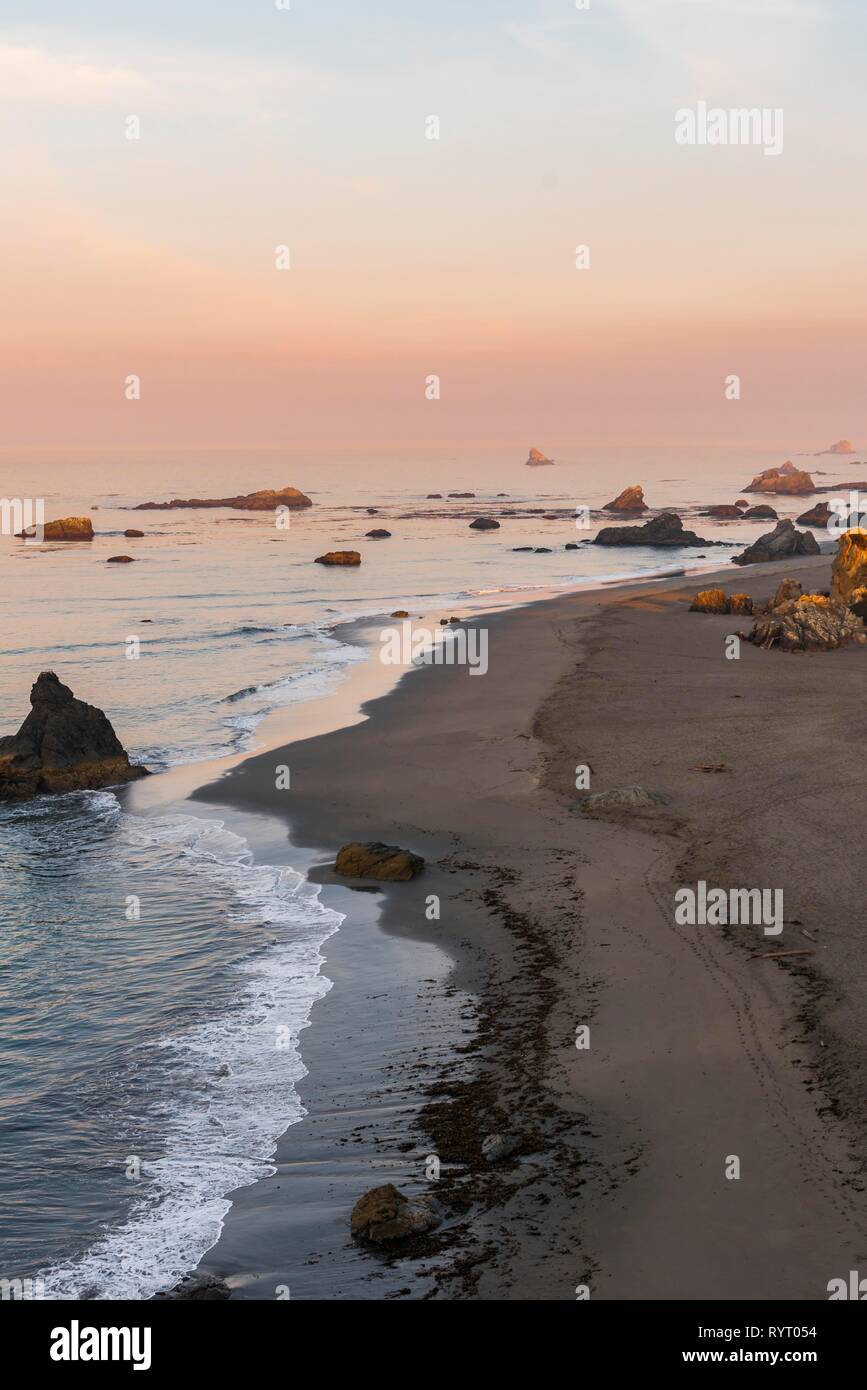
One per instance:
[(379, 534), (71, 528), (64, 745), (843, 446), (120, 560), (631, 499), (665, 530), (788, 480), (537, 459), (384, 1214), (783, 543), (132, 534), (376, 860), (724, 512), (816, 516), (267, 500), (484, 523), (462, 494), (338, 557)]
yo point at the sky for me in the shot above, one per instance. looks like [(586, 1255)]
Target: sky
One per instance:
[(409, 257)]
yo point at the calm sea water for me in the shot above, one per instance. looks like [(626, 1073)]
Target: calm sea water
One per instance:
[(139, 1077)]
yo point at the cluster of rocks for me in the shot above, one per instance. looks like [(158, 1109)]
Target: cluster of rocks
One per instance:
[(664, 530), (787, 480), (797, 622), (265, 500)]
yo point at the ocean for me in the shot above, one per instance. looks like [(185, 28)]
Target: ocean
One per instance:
[(156, 977)]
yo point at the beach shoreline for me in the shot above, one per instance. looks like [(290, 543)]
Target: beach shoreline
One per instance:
[(530, 907)]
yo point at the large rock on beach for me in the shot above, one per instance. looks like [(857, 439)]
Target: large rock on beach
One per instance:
[(783, 543), (376, 860), (631, 499), (64, 745), (665, 530), (384, 1214), (787, 480), (266, 500)]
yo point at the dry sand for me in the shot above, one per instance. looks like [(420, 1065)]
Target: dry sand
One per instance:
[(697, 1052)]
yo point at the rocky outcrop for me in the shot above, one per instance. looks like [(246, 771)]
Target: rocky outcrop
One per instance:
[(384, 1214), (132, 534), (665, 530), (484, 523), (761, 513), (64, 745), (120, 560), (376, 860), (783, 543), (537, 459), (710, 601), (843, 446), (70, 528), (266, 500), (338, 557), (631, 499), (716, 601), (380, 534), (811, 622), (849, 570), (788, 480), (462, 494), (723, 512)]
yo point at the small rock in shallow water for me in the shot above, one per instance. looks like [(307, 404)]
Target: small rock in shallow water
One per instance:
[(385, 1214), (199, 1288)]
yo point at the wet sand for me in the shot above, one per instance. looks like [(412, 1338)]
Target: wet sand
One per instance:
[(556, 919)]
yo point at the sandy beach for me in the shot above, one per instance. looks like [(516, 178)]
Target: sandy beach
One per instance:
[(703, 1047)]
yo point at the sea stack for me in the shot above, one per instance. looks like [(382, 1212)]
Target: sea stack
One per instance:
[(537, 459), (843, 446), (630, 500), (64, 745), (788, 480)]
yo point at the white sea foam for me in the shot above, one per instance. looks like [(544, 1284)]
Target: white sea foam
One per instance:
[(240, 1069)]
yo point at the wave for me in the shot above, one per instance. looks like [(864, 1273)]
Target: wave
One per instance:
[(240, 1069)]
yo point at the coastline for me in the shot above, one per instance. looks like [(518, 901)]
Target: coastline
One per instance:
[(611, 1180)]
